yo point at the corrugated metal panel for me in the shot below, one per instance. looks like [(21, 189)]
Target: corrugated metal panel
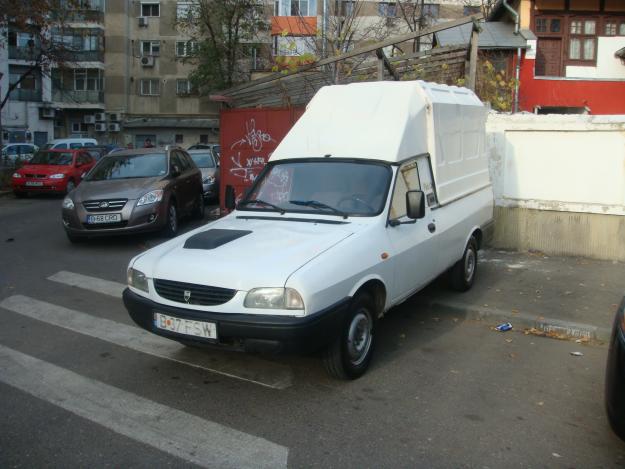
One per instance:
[(494, 35)]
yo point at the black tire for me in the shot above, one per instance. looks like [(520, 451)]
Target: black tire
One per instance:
[(74, 239), (346, 358), (462, 274), (20, 194), (71, 185), (198, 210), (171, 224)]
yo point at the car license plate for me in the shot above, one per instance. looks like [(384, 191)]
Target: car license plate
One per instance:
[(106, 218), (34, 183), (207, 330)]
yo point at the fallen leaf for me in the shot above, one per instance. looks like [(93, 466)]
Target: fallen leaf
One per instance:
[(556, 455), (508, 340)]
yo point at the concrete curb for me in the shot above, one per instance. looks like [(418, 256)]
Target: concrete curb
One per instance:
[(522, 321), (5, 193)]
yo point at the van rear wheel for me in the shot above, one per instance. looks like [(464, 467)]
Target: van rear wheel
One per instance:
[(348, 357), (462, 274)]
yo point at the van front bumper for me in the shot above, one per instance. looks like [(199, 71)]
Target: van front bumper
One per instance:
[(249, 332)]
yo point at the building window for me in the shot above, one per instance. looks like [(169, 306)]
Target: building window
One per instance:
[(292, 45), (150, 9), (186, 10), (179, 138), (387, 9), (296, 7), (621, 29), (610, 29), (186, 48), (347, 8), (203, 138), (431, 10), (582, 42), (555, 25), (150, 48), (184, 87), (87, 79), (150, 87)]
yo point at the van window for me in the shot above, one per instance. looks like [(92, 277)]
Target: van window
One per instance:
[(75, 146), (89, 144), (407, 180), (60, 146)]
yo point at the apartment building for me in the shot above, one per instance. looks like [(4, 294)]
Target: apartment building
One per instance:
[(58, 102), (147, 83)]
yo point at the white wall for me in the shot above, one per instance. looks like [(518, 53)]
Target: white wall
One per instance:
[(608, 66), (572, 163)]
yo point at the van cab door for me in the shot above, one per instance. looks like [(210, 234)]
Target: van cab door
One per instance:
[(414, 242)]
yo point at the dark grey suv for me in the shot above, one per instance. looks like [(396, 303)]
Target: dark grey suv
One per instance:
[(132, 191)]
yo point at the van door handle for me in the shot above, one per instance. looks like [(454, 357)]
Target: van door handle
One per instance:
[(432, 227)]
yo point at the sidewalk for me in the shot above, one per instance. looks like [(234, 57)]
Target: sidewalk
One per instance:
[(566, 296)]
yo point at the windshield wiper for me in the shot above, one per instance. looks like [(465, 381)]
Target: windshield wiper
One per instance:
[(259, 201), (318, 205)]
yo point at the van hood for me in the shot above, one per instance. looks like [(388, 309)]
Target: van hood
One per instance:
[(240, 253), (116, 189)]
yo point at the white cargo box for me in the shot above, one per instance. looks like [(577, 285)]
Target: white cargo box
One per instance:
[(393, 121)]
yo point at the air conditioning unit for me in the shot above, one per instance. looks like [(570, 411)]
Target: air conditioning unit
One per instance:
[(46, 113), (114, 116), (100, 117), (147, 61), (89, 119), (143, 22), (114, 127), (100, 127)]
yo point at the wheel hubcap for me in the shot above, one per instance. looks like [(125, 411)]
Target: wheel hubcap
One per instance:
[(469, 265), (359, 337)]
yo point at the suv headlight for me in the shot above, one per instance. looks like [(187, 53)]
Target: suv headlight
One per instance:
[(273, 298), (57, 176), (137, 279), (68, 203), (151, 197)]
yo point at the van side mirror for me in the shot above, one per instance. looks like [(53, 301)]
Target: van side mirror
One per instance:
[(230, 201), (415, 204)]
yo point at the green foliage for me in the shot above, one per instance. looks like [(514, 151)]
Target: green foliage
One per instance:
[(493, 86)]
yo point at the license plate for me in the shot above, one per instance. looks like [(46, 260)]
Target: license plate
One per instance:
[(34, 183), (207, 330), (106, 218)]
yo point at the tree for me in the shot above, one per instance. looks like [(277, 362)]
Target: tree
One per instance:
[(485, 6), (38, 21), (224, 31)]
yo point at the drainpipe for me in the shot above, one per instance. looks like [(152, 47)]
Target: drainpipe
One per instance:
[(515, 15)]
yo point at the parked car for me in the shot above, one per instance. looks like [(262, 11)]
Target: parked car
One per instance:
[(209, 165), (57, 171), (213, 147), (376, 190), (69, 143), (14, 152), (134, 191), (615, 374)]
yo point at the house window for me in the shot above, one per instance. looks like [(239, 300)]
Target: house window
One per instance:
[(179, 138), (186, 48), (621, 29), (183, 87), (582, 42), (610, 29), (150, 9), (555, 25), (387, 9), (150, 48), (431, 10), (150, 87)]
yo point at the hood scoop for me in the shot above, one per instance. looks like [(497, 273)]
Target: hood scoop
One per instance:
[(211, 239)]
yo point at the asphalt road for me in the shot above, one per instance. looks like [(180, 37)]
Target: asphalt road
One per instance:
[(81, 386)]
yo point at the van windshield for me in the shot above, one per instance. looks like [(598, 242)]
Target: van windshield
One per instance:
[(129, 167), (339, 187)]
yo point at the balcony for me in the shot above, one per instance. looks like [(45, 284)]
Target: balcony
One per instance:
[(86, 56), (81, 16), (26, 95), (23, 53), (78, 96)]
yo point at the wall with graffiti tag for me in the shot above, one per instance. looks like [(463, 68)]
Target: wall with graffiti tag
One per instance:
[(248, 137)]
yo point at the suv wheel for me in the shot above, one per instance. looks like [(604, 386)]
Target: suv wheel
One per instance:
[(171, 226)]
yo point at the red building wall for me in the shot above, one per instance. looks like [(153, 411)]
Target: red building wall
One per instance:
[(601, 97)]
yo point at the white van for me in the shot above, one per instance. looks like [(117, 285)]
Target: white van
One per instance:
[(69, 143), (377, 190)]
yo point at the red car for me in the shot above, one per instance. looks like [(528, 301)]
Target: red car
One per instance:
[(52, 171)]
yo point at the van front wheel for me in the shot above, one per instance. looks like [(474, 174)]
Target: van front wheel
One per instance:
[(348, 357), (462, 274)]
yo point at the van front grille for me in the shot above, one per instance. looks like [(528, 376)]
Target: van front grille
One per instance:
[(195, 294)]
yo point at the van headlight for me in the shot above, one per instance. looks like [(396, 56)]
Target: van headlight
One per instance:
[(137, 279), (273, 298)]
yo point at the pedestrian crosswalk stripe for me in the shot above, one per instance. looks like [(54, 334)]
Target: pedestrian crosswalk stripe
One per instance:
[(187, 436), (86, 282), (235, 365)]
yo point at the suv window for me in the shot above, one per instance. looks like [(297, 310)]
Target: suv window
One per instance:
[(189, 163)]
